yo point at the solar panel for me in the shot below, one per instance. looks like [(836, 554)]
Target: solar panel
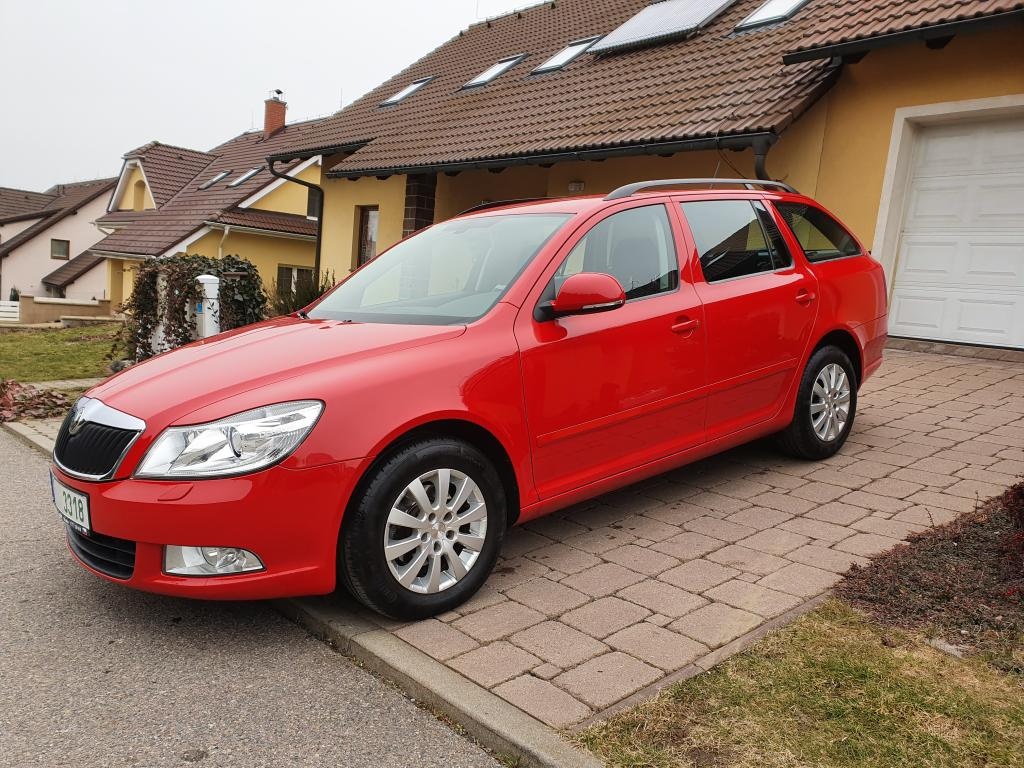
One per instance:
[(662, 21)]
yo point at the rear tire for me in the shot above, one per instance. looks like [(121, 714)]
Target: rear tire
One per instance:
[(826, 406), (410, 548)]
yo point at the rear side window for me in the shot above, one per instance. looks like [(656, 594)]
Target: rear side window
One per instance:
[(821, 237), (634, 246), (731, 239)]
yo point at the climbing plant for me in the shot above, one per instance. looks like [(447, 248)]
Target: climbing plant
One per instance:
[(166, 292), (286, 299)]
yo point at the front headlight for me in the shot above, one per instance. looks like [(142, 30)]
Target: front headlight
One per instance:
[(246, 442)]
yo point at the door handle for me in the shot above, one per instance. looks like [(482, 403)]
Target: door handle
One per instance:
[(805, 297), (686, 327)]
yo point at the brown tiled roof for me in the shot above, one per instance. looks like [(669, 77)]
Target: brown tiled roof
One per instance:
[(67, 199), (719, 83), (71, 270), (15, 203), (168, 168), (150, 233), (270, 221), (840, 22)]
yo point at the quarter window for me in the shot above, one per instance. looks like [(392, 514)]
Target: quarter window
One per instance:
[(821, 237), (731, 239), (634, 246)]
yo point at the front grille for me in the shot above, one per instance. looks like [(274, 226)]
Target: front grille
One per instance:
[(95, 451), (114, 557)]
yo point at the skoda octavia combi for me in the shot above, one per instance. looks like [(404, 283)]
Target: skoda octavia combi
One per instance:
[(486, 371)]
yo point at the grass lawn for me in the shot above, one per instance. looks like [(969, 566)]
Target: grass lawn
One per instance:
[(64, 353), (834, 689)]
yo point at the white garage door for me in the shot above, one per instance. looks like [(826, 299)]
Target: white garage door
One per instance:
[(960, 265)]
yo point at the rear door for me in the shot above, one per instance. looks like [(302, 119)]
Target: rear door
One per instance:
[(611, 391), (759, 304)]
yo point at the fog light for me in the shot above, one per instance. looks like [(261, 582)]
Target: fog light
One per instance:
[(209, 561)]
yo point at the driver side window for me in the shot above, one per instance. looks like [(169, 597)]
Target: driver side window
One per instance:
[(634, 246)]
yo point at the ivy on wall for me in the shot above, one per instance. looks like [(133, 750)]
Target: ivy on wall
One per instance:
[(166, 293)]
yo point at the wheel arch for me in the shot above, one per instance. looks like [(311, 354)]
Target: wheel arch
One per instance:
[(468, 431), (845, 340)]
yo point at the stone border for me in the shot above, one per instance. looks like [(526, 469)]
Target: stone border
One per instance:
[(492, 721), (1000, 354), (28, 436)]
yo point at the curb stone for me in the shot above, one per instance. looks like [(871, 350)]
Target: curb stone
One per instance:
[(29, 437), (489, 719)]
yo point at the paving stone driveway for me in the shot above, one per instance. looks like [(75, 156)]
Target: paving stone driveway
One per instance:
[(594, 603), (623, 594)]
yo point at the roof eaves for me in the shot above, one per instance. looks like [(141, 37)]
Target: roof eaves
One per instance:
[(863, 45)]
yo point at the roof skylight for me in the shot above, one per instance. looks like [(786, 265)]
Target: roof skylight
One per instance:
[(406, 92), (219, 177), (662, 21), (567, 55), (771, 12), (495, 71), (245, 176)]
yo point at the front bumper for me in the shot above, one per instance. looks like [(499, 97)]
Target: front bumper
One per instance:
[(289, 518)]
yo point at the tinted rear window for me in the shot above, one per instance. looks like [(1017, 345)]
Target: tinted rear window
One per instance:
[(821, 237)]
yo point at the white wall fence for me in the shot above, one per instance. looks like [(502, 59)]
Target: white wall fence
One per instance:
[(10, 311)]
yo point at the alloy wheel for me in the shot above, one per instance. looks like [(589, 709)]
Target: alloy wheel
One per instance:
[(830, 402), (435, 531)]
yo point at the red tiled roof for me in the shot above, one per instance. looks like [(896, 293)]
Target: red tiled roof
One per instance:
[(168, 168), (269, 221), (16, 203), (151, 233), (67, 199), (847, 21), (71, 270), (718, 83)]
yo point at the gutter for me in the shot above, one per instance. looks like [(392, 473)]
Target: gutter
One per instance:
[(760, 142), (926, 34)]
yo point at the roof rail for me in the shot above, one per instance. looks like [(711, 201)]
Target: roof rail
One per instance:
[(501, 204), (631, 189)]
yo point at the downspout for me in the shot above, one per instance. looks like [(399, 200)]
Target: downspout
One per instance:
[(220, 246), (318, 197), (761, 146)]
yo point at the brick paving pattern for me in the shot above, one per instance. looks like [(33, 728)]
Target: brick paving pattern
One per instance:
[(599, 601)]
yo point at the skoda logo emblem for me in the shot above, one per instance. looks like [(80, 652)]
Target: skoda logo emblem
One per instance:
[(77, 420)]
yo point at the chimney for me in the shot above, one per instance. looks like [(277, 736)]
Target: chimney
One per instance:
[(274, 114)]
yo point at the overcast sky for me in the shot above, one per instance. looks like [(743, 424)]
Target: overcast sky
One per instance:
[(85, 81)]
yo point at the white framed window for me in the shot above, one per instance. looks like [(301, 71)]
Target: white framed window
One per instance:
[(771, 12), (567, 55), (495, 71), (219, 177), (406, 92), (245, 176)]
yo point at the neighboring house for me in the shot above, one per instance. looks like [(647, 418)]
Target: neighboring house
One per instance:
[(906, 117), (170, 200), (42, 232)]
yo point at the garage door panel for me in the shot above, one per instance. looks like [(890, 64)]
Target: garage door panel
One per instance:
[(959, 273)]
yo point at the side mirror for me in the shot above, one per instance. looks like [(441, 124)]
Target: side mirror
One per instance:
[(585, 293)]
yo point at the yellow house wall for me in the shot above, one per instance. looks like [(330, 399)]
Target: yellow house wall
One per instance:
[(341, 218), (861, 107), (262, 250), (127, 199), (289, 197)]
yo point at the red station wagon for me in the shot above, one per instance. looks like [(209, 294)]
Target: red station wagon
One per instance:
[(484, 372)]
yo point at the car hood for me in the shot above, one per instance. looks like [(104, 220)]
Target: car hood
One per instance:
[(166, 388)]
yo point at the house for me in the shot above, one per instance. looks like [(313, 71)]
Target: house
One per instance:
[(170, 200), (42, 232), (906, 117)]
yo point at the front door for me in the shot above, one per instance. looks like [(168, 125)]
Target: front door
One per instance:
[(611, 391), (759, 305)]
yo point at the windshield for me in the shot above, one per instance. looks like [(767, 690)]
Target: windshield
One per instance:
[(452, 273)]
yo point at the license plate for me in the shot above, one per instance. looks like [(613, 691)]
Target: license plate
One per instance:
[(72, 505)]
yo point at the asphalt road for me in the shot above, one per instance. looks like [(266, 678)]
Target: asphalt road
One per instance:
[(92, 674)]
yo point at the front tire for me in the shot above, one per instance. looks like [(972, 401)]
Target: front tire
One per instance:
[(826, 406), (424, 533)]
